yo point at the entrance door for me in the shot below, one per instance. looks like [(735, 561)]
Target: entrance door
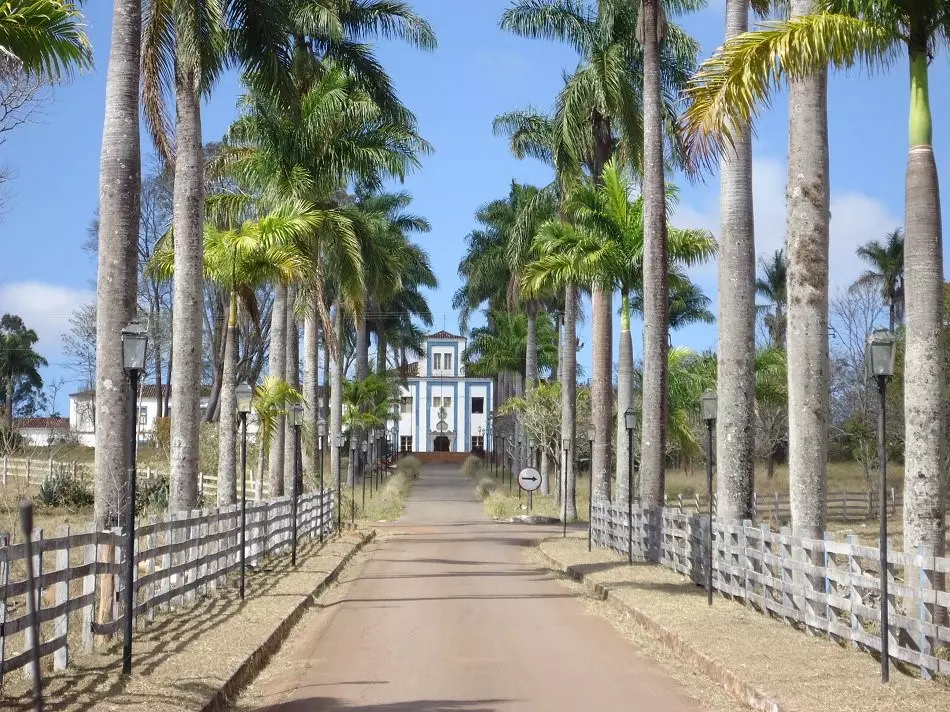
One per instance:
[(442, 444)]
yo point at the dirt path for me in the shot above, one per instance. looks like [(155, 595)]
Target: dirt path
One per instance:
[(448, 614)]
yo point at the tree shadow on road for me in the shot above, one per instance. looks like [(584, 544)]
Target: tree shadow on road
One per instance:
[(330, 704)]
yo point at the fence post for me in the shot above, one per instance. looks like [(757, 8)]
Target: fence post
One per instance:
[(854, 597), (925, 611), (785, 556), (28, 464), (4, 580), (61, 624), (745, 559), (191, 570), (829, 615), (150, 541), (893, 502), (29, 642)]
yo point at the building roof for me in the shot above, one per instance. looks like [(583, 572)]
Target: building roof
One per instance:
[(46, 423), (443, 334), (149, 390)]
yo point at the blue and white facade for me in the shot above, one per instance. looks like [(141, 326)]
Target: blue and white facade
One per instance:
[(441, 410)]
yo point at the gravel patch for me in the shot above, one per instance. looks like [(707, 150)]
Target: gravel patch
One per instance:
[(802, 671), (182, 659)]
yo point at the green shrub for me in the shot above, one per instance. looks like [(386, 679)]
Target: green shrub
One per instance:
[(151, 494), (410, 466), (64, 490), (485, 487), (473, 466)]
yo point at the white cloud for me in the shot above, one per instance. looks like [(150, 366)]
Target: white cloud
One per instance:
[(855, 218), (45, 308)]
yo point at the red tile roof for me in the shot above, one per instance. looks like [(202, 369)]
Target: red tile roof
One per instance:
[(51, 423)]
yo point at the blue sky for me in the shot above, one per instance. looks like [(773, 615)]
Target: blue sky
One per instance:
[(477, 72)]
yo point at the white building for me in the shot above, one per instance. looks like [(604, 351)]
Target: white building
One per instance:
[(82, 411), (442, 410), (42, 432)]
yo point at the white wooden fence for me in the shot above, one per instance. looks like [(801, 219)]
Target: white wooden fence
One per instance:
[(857, 506), (828, 586), (178, 557)]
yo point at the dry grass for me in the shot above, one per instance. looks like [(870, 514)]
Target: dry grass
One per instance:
[(804, 671), (182, 658)]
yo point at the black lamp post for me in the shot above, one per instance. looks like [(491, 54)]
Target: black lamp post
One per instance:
[(566, 447), (879, 364), (297, 419), (363, 448), (245, 397), (134, 341), (340, 444), (630, 421), (709, 404), (591, 436), (321, 442)]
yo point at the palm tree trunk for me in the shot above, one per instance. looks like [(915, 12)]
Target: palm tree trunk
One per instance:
[(924, 376), (188, 223), (311, 360), (736, 357), (278, 369), (655, 269), (119, 193), (531, 350), (380, 350), (624, 396), (569, 396), (293, 380), (227, 423), (336, 397), (326, 375), (602, 391), (808, 206)]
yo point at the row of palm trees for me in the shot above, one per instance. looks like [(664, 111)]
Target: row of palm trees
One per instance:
[(617, 113), (296, 204)]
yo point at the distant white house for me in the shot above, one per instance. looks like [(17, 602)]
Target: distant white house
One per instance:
[(42, 432), (441, 409), (82, 412)]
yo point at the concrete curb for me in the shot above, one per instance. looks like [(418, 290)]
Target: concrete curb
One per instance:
[(257, 660), (745, 692)]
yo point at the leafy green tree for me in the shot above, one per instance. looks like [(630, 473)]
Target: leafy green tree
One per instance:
[(772, 285), (19, 366)]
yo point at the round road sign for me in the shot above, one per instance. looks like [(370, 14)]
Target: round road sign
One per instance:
[(529, 479)]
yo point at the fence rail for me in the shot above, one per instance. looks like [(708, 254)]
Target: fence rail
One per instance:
[(178, 557), (777, 507), (828, 586)]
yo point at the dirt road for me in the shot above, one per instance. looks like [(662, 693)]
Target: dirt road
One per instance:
[(450, 615)]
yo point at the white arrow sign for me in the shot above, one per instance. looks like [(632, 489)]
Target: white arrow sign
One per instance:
[(529, 479)]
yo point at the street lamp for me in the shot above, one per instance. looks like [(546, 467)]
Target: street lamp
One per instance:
[(340, 444), (363, 448), (630, 421), (879, 364), (134, 341), (244, 396), (591, 436), (709, 405), (321, 440), (566, 446), (296, 412)]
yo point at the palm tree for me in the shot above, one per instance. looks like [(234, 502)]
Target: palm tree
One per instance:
[(603, 114), (738, 79), (119, 194), (887, 272), (272, 398), (604, 244), (772, 285), (44, 38)]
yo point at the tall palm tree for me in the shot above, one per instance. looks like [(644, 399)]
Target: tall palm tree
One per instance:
[(738, 79), (887, 272), (603, 114), (604, 243), (45, 38), (272, 398), (772, 285), (119, 193)]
